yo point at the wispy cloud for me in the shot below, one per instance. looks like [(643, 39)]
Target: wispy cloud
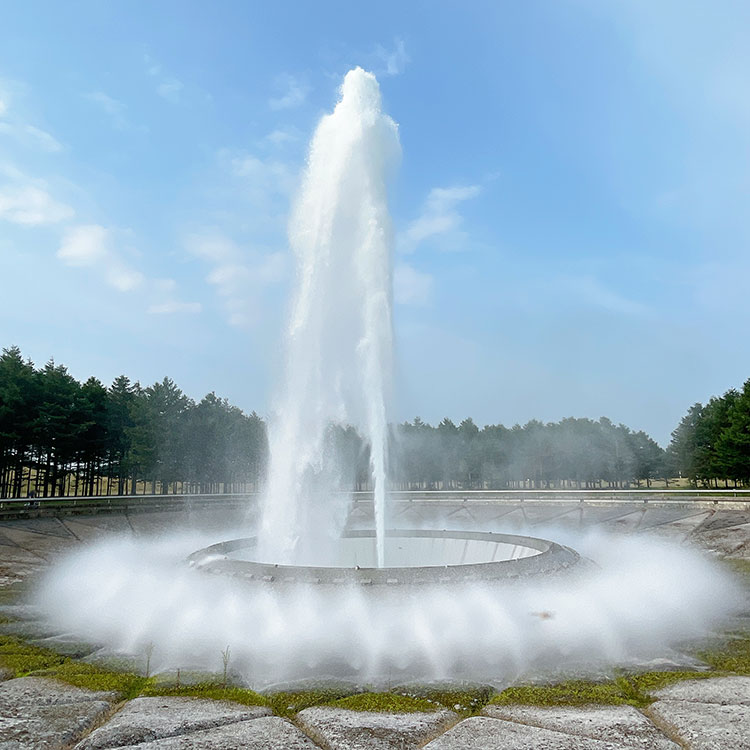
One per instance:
[(281, 137), (111, 106), (269, 176), (439, 216), (167, 302), (292, 92), (238, 275), (593, 292), (395, 59), (173, 307), (167, 86), (21, 130), (31, 205), (47, 141), (93, 246), (410, 286)]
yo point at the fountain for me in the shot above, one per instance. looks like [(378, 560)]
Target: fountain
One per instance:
[(339, 338), (338, 361), (306, 592)]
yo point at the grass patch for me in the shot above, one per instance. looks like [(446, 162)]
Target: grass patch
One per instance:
[(125, 685), (646, 682), (626, 689), (385, 703), (21, 658), (734, 656), (469, 699), (570, 693), (210, 691)]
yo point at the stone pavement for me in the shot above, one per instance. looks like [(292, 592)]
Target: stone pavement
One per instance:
[(43, 714)]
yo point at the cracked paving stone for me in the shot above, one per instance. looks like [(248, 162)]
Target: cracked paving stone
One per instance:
[(264, 733), (708, 714), (732, 690), (149, 719), (45, 714), (619, 724), (484, 733), (341, 729)]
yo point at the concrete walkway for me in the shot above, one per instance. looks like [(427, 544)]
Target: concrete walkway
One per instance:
[(712, 714)]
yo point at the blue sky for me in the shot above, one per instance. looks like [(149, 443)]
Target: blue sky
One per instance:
[(571, 209)]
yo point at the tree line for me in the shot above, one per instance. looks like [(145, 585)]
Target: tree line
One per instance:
[(62, 437), (711, 445)]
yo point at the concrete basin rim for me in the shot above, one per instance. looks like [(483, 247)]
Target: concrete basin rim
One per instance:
[(550, 558)]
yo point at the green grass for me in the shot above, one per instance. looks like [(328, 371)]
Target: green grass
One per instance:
[(733, 656), (625, 689), (125, 685), (468, 700), (647, 682), (21, 658), (570, 693), (208, 690), (385, 703)]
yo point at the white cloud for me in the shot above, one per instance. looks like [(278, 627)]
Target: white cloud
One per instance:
[(47, 141), (172, 307), (84, 246), (112, 107), (31, 205), (439, 215), (168, 87), (396, 59), (26, 133), (410, 286), (266, 175), (92, 246), (590, 291), (281, 136), (292, 92), (163, 292), (238, 275)]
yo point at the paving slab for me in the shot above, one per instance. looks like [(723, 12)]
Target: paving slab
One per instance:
[(264, 733), (46, 714), (66, 645), (341, 729), (484, 733), (27, 629), (732, 690), (705, 726), (20, 612), (149, 719), (619, 724)]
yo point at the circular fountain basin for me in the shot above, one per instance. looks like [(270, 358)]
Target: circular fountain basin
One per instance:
[(415, 556)]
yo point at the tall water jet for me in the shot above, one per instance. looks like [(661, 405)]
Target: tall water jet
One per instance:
[(339, 338)]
